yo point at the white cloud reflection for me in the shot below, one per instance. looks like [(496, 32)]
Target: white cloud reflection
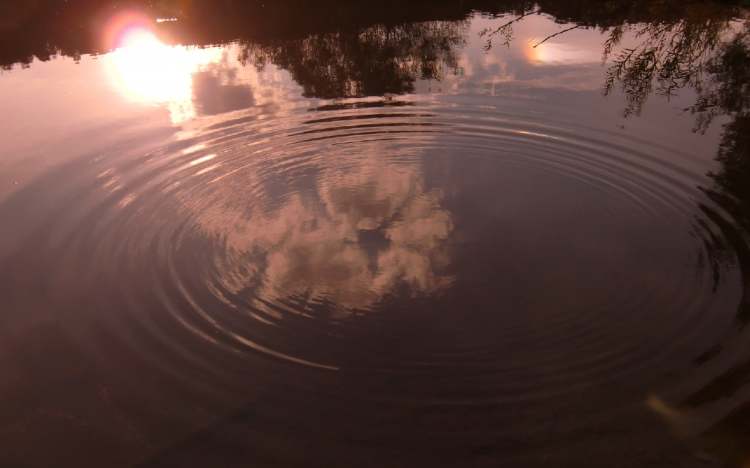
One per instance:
[(363, 231)]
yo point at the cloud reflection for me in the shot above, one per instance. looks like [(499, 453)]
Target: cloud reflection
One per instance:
[(360, 234)]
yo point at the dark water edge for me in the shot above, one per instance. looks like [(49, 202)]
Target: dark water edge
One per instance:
[(44, 28), (373, 274)]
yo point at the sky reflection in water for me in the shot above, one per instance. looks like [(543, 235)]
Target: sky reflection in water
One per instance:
[(416, 242), (148, 71)]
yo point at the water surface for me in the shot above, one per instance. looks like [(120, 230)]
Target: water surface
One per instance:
[(437, 235)]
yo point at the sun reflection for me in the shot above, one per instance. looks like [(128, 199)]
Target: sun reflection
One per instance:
[(146, 70), (557, 53)]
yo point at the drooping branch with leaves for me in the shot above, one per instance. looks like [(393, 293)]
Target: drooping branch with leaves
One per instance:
[(667, 57)]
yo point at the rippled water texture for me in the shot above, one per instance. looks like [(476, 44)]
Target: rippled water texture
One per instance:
[(304, 251)]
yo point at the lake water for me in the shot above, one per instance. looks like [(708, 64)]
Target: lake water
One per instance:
[(483, 234)]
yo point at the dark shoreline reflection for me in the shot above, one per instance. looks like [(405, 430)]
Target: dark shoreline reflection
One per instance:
[(392, 277), (375, 61)]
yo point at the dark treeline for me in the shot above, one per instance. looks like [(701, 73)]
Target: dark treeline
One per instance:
[(376, 61), (45, 28), (42, 29)]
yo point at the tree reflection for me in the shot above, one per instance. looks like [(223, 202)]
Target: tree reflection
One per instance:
[(700, 56), (703, 47), (42, 29), (726, 92), (726, 89), (699, 46), (372, 62), (670, 57), (675, 42)]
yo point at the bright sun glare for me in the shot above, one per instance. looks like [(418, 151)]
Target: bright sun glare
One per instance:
[(146, 70)]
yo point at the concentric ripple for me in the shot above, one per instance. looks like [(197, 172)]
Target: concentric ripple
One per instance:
[(439, 254)]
